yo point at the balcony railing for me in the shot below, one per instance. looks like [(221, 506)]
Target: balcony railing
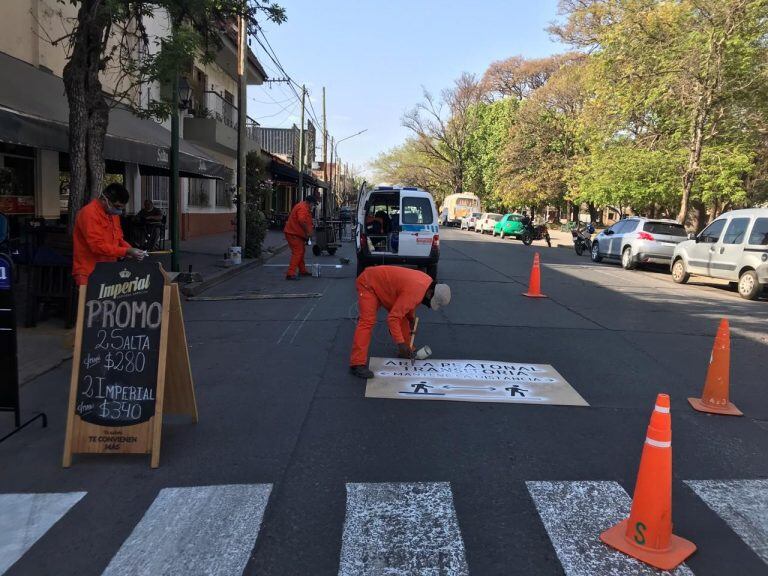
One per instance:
[(214, 105)]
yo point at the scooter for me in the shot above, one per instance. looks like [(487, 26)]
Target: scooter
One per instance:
[(582, 239), (538, 232)]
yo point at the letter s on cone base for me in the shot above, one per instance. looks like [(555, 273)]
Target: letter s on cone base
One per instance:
[(647, 533)]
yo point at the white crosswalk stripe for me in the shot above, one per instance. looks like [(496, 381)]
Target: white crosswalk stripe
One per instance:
[(574, 514), (24, 518), (396, 529), (743, 504), (202, 530)]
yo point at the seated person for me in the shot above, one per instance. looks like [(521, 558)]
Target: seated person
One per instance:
[(150, 213)]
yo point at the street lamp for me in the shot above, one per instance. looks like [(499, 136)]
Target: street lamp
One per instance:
[(181, 96), (334, 153)]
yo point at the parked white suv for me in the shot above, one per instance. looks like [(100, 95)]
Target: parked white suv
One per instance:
[(397, 225), (734, 247)]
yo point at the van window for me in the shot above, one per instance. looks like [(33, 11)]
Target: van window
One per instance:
[(736, 231), (665, 229), (416, 210), (759, 233), (711, 233)]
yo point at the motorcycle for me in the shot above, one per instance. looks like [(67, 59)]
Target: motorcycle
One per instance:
[(582, 239), (538, 232)]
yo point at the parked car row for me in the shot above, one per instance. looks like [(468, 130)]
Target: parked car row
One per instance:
[(505, 225), (733, 247)]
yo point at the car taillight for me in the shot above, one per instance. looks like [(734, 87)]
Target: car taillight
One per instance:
[(436, 241), (645, 236)]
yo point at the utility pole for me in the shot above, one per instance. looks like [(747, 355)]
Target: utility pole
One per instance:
[(301, 146), (327, 197), (174, 205), (242, 115)]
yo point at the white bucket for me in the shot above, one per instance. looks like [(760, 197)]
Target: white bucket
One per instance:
[(235, 254), (423, 353)]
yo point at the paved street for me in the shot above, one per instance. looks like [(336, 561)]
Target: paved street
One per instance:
[(292, 471)]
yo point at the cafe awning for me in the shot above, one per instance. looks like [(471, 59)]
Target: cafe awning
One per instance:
[(34, 112)]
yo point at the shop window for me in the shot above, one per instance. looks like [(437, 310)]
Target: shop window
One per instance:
[(155, 188), (198, 193), (223, 194)]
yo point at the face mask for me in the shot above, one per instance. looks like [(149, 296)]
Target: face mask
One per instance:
[(111, 209)]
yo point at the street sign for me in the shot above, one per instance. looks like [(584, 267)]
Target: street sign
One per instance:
[(470, 381), (130, 358)]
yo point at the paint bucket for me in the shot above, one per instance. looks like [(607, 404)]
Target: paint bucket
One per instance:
[(423, 353), (235, 254), (316, 270)]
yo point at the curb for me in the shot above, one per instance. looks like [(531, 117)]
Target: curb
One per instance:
[(197, 288)]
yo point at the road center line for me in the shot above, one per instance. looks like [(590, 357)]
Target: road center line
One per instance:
[(199, 530)]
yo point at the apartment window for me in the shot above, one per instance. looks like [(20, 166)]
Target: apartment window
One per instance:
[(198, 192), (223, 194)]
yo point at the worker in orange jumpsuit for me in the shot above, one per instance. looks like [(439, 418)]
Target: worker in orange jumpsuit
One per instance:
[(98, 236), (398, 290), (298, 230)]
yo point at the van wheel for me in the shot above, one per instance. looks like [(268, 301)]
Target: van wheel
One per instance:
[(749, 287), (627, 261), (331, 251), (679, 273), (432, 271), (316, 250), (360, 267)]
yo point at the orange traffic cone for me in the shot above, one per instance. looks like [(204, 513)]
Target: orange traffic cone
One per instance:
[(534, 286), (714, 399), (647, 533)]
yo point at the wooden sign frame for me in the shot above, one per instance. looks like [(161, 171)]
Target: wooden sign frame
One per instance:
[(175, 391)]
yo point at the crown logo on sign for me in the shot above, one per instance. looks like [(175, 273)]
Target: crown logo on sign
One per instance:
[(125, 274)]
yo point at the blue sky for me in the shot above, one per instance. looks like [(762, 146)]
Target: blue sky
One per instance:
[(374, 57)]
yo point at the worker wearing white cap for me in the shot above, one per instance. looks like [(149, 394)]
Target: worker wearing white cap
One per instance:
[(398, 290)]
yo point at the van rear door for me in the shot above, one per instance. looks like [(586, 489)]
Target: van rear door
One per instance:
[(417, 226)]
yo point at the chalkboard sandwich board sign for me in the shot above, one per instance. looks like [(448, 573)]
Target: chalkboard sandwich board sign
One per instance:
[(131, 362)]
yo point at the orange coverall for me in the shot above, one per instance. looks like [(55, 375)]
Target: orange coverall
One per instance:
[(97, 237), (298, 228), (398, 290)]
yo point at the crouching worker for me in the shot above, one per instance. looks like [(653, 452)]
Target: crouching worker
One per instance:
[(400, 291)]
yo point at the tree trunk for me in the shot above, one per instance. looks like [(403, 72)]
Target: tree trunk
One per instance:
[(88, 108)]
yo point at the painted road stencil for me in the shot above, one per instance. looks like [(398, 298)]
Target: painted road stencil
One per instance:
[(470, 381), (401, 529)]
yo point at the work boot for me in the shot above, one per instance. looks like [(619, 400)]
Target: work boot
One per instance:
[(306, 273), (291, 277), (360, 371)]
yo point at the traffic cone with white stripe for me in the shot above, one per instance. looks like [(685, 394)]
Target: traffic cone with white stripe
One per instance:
[(534, 285), (714, 399), (647, 533)]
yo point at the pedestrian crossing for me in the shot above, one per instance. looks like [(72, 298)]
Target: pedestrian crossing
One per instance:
[(390, 529)]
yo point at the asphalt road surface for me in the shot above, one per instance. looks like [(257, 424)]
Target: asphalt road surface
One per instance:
[(292, 471)]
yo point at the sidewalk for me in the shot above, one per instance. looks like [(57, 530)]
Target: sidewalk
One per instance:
[(48, 344)]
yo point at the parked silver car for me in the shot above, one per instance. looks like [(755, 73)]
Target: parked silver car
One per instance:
[(734, 247), (636, 241)]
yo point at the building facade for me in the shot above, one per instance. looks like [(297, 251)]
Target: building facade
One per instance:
[(34, 126)]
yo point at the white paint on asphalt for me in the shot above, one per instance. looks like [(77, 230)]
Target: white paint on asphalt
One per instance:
[(575, 514), (395, 529), (24, 518), (743, 504), (202, 530)]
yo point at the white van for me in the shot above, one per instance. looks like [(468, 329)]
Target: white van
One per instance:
[(397, 225), (733, 247)]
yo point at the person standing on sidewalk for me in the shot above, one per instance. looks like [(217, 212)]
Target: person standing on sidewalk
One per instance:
[(298, 229), (400, 291), (98, 236)]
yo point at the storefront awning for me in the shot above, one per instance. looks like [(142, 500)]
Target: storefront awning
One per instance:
[(285, 172), (34, 112)]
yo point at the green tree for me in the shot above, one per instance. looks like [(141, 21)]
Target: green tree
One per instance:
[(112, 34)]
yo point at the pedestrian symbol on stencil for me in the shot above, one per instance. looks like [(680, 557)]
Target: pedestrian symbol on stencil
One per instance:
[(515, 389), (422, 389)]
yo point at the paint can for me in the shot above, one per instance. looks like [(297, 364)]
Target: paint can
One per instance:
[(423, 353), (235, 254)]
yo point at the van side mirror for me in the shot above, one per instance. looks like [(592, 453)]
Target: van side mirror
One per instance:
[(609, 232), (692, 236)]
